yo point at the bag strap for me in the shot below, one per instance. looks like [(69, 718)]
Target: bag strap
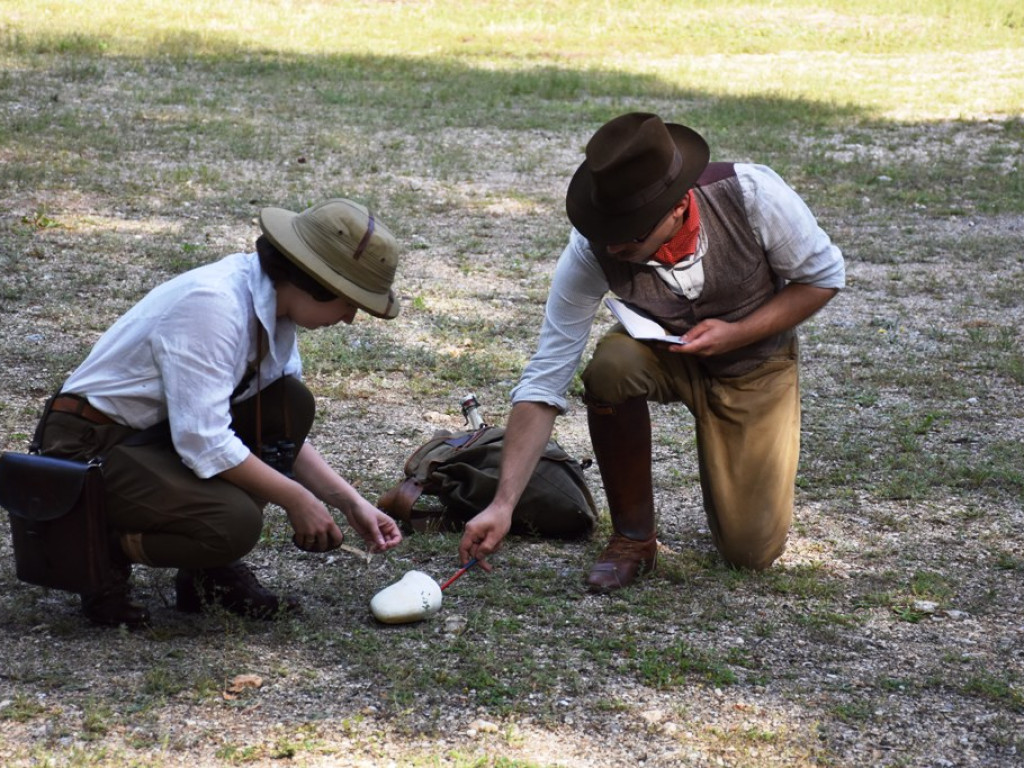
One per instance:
[(36, 446), (259, 388), (398, 501)]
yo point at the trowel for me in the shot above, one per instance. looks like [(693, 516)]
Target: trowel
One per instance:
[(412, 598)]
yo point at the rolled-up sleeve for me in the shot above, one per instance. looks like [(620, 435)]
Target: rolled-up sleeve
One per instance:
[(797, 248), (576, 290)]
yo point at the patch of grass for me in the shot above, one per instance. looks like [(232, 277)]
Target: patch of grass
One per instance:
[(921, 451), (162, 681), (240, 754), (1001, 690), (680, 663), (804, 581), (21, 709), (97, 720), (932, 586), (1009, 561), (826, 619), (853, 712)]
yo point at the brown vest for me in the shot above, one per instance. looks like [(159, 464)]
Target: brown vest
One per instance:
[(737, 276)]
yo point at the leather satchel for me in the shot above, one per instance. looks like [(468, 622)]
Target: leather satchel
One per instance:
[(462, 469), (58, 523)]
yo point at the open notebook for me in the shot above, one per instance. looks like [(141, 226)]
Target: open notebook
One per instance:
[(639, 325)]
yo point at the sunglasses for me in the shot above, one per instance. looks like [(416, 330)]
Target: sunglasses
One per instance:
[(650, 232)]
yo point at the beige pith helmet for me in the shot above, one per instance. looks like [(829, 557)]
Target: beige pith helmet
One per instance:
[(341, 245)]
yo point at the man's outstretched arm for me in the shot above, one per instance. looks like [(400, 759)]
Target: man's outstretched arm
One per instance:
[(526, 435)]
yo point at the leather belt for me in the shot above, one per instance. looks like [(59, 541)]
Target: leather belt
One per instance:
[(79, 406)]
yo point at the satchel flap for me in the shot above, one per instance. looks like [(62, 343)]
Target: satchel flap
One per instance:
[(445, 446), (41, 487)]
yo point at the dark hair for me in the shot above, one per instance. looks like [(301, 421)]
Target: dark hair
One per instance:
[(279, 268)]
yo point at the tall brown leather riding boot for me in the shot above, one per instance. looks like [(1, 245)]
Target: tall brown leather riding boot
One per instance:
[(621, 437)]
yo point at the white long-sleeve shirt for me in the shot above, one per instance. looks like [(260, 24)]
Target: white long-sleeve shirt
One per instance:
[(797, 249), (181, 351)]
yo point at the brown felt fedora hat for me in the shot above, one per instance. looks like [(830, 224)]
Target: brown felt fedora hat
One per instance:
[(342, 246), (636, 168)]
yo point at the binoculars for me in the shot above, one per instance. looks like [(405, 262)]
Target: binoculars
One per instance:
[(280, 456)]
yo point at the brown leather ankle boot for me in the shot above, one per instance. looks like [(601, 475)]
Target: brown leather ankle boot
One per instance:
[(621, 562), (621, 437), (111, 605), (235, 588)]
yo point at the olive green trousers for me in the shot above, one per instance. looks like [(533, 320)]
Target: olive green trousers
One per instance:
[(164, 515)]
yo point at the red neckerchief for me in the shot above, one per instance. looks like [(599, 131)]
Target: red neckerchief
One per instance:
[(684, 244)]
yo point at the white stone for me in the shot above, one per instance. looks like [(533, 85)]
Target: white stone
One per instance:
[(412, 598)]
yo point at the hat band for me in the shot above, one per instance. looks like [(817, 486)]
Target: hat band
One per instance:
[(373, 275), (366, 237), (647, 194)]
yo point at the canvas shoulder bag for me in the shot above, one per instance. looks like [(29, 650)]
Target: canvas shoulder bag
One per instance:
[(460, 471)]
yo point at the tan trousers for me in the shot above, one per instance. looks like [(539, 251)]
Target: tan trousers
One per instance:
[(163, 513), (748, 435)]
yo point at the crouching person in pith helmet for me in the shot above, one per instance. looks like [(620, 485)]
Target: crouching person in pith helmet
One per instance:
[(195, 402)]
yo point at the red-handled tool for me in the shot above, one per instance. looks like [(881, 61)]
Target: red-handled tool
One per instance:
[(458, 573)]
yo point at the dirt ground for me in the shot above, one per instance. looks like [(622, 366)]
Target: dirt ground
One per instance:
[(846, 656)]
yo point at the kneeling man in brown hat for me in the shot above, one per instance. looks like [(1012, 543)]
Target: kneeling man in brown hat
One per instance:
[(728, 257), (194, 401)]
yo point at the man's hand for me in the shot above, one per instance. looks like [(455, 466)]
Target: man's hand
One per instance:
[(786, 309), (710, 337), (314, 526), (483, 535), (526, 433)]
